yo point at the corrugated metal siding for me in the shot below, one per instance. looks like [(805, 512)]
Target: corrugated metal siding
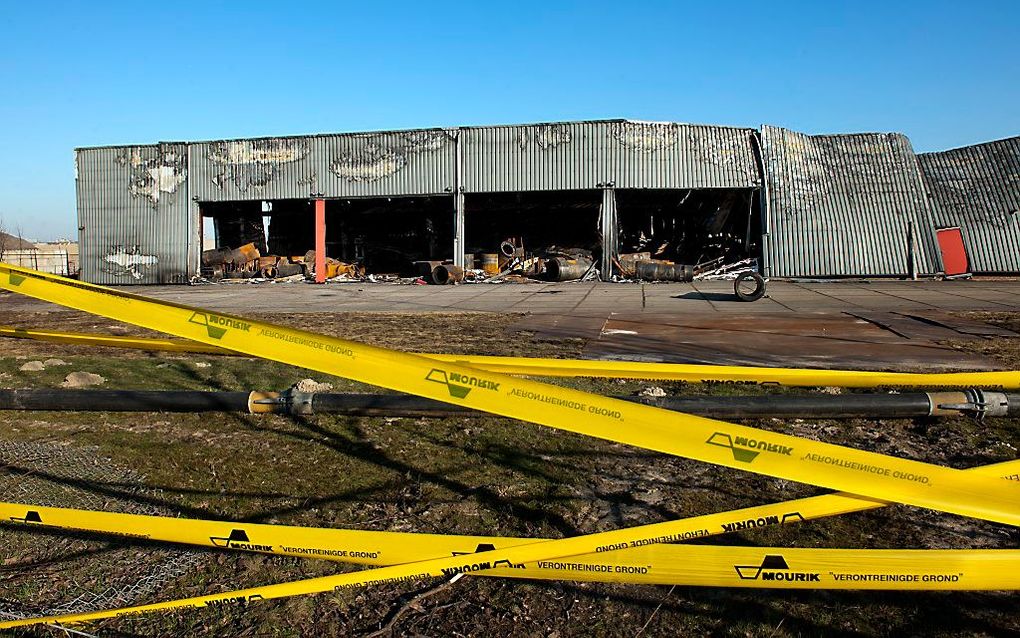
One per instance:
[(978, 189), (587, 155), (133, 208), (654, 155), (841, 205), (534, 157), (241, 170), (420, 162)]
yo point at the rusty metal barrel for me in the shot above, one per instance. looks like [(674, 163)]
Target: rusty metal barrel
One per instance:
[(662, 271), (490, 263), (566, 269)]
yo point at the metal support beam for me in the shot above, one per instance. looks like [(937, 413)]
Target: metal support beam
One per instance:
[(320, 241), (196, 241), (459, 243), (610, 236), (764, 267)]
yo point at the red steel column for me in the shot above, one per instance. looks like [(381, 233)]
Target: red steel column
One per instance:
[(320, 241)]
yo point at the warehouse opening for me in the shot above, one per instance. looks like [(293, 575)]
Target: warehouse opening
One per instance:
[(539, 223), (387, 235), (698, 227), (381, 235)]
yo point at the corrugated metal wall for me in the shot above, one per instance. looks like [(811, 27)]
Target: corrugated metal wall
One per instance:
[(588, 155), (842, 205), (653, 155), (418, 162), (530, 158), (134, 201), (133, 214), (978, 189)]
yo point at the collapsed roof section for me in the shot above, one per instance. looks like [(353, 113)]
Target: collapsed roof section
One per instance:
[(845, 206), (978, 189)]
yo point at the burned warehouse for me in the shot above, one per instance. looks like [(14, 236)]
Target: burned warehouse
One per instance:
[(614, 200)]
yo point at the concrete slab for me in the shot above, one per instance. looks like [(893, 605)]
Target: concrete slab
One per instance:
[(585, 298)]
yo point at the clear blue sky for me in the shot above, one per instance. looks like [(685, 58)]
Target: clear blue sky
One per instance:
[(98, 73)]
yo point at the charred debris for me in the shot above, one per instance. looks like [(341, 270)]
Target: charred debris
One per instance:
[(674, 236)]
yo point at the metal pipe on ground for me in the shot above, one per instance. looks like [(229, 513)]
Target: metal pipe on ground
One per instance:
[(882, 406), (662, 271), (289, 270), (124, 400), (244, 254), (424, 268), (216, 256), (447, 274), (566, 269)]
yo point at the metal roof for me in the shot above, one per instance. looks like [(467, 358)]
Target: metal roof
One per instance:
[(978, 189), (412, 130), (843, 205)]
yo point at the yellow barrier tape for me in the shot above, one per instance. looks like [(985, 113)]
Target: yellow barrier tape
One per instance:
[(856, 471), (736, 374), (691, 565), (731, 445), (111, 341), (654, 564), (798, 568), (375, 548), (544, 367), (391, 548)]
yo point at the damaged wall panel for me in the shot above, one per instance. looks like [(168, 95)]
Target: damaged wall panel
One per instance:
[(667, 155), (133, 214), (978, 189), (588, 155), (257, 169), (538, 157), (843, 205), (420, 162)]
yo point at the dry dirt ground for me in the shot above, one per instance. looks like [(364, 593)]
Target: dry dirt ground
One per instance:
[(455, 475)]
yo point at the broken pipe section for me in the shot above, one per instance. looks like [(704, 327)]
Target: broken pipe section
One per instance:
[(447, 274)]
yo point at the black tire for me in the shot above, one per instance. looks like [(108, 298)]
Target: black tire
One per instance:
[(759, 286)]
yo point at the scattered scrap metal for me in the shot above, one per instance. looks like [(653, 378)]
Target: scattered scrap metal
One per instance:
[(512, 263), (247, 263)]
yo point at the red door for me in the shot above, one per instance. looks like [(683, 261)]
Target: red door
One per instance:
[(954, 255)]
